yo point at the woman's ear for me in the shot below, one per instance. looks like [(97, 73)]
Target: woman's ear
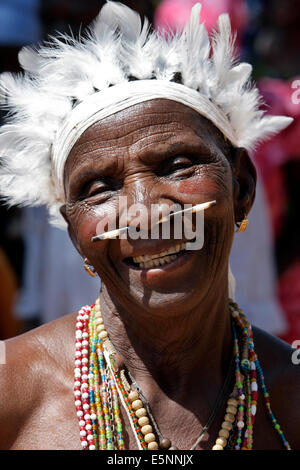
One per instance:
[(244, 182), (63, 211)]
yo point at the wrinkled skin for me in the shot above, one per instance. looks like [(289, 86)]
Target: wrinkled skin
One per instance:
[(170, 326)]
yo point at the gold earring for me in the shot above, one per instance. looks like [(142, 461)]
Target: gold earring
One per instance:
[(90, 270), (242, 226)]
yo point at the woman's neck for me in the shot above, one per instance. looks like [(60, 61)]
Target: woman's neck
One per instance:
[(173, 354)]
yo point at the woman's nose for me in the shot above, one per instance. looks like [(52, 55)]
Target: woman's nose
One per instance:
[(143, 204)]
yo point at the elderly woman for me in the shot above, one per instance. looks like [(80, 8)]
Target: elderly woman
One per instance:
[(164, 359)]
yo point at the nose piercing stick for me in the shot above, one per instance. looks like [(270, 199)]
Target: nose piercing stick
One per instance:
[(193, 209), (117, 232)]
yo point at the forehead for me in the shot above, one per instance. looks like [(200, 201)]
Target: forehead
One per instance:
[(154, 124)]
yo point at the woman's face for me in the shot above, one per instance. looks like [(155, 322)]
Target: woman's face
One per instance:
[(157, 152)]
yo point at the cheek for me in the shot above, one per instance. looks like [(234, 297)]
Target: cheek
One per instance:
[(90, 221), (207, 186), (191, 186)]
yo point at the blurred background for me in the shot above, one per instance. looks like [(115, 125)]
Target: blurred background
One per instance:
[(41, 275)]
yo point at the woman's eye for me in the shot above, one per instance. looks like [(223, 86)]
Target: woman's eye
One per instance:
[(97, 189), (177, 164)]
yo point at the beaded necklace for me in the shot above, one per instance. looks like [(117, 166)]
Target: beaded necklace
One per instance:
[(100, 386)]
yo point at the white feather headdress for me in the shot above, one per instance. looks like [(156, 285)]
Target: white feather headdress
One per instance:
[(69, 84)]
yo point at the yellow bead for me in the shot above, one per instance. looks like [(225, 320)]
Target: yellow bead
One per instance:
[(224, 433), (103, 334), (217, 447), (227, 426), (221, 441), (137, 404), (152, 445), (133, 396), (146, 429), (99, 321), (143, 421), (100, 328), (233, 402), (141, 412), (231, 409), (229, 417), (149, 438)]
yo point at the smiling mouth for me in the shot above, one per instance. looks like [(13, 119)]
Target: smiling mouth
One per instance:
[(158, 259)]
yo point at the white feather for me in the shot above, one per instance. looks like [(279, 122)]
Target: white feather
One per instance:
[(195, 51), (30, 60)]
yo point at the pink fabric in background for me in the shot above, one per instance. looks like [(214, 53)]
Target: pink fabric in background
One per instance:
[(173, 14), (270, 156)]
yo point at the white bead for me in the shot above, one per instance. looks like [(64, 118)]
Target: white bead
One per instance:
[(85, 335), (240, 424), (87, 416), (78, 344), (254, 386), (77, 383), (242, 397), (85, 342), (82, 433), (136, 404), (78, 354), (77, 402), (93, 416), (78, 362), (85, 395), (253, 366), (79, 413), (85, 351), (84, 443), (77, 370), (79, 324), (217, 447), (90, 437), (253, 410), (77, 393), (84, 386), (92, 447), (84, 369), (78, 334), (88, 427), (85, 360), (77, 375), (82, 423), (91, 376), (86, 406), (84, 377)]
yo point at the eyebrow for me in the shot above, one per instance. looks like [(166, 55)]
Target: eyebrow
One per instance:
[(86, 173), (168, 150)]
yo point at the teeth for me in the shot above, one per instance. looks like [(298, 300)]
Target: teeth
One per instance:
[(158, 262), (164, 257), (173, 250)]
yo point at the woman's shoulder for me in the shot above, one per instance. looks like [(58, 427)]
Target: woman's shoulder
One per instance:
[(281, 368), (35, 363)]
